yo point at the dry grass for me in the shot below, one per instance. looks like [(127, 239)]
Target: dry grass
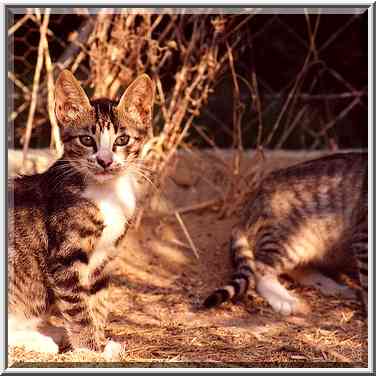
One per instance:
[(160, 284), (187, 55)]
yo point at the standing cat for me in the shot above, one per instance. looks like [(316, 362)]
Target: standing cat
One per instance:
[(66, 223), (313, 214)]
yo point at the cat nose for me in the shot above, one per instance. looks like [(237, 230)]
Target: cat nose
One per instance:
[(105, 160)]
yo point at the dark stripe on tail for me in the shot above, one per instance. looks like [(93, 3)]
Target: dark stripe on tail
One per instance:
[(243, 259), (216, 298)]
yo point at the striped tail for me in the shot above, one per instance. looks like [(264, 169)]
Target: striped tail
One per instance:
[(243, 260)]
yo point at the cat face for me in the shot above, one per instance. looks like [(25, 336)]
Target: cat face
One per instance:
[(103, 138)]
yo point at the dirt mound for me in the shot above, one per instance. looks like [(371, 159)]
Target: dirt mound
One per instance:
[(160, 284)]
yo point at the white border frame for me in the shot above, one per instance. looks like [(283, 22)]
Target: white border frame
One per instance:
[(276, 4)]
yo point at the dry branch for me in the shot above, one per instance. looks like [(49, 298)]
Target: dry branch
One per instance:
[(34, 95), (186, 233), (108, 50)]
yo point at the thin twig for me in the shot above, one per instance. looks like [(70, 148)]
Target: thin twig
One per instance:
[(288, 131), (199, 206), (34, 95), (186, 233), (291, 95), (19, 84), (18, 24), (338, 32), (340, 116)]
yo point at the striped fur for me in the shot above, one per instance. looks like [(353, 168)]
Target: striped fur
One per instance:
[(243, 261), (311, 214), (65, 223)]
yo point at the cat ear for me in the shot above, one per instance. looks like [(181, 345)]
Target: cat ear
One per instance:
[(136, 103), (71, 102)]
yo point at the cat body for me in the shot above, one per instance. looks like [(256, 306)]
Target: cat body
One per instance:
[(66, 223), (309, 216)]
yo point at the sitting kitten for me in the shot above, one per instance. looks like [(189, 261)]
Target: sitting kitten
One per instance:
[(313, 214), (65, 223)]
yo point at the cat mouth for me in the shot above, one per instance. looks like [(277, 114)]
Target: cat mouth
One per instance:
[(106, 174), (107, 171)]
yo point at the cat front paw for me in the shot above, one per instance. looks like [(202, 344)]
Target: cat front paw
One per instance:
[(34, 341), (113, 350)]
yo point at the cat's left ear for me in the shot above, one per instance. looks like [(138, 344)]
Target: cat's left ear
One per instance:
[(136, 104), (72, 106)]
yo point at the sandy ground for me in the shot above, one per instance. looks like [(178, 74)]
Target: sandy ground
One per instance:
[(160, 284)]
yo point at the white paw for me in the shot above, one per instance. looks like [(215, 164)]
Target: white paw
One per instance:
[(46, 345), (113, 350), (285, 307), (278, 297), (34, 341), (325, 285)]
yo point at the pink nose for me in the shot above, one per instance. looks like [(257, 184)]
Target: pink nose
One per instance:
[(105, 160)]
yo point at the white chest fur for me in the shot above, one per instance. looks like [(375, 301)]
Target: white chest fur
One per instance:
[(116, 201)]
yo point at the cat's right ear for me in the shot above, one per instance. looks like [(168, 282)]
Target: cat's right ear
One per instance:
[(72, 105)]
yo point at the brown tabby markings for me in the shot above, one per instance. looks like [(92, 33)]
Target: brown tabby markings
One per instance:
[(313, 214), (66, 222)]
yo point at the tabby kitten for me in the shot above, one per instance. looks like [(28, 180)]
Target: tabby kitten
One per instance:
[(313, 214), (65, 223)]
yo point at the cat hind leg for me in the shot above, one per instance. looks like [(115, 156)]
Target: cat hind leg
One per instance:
[(272, 259), (327, 286)]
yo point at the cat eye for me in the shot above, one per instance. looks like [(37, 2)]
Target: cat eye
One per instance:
[(87, 141), (122, 140)]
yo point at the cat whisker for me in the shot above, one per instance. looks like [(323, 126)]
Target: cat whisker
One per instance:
[(143, 175), (61, 177), (143, 165)]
